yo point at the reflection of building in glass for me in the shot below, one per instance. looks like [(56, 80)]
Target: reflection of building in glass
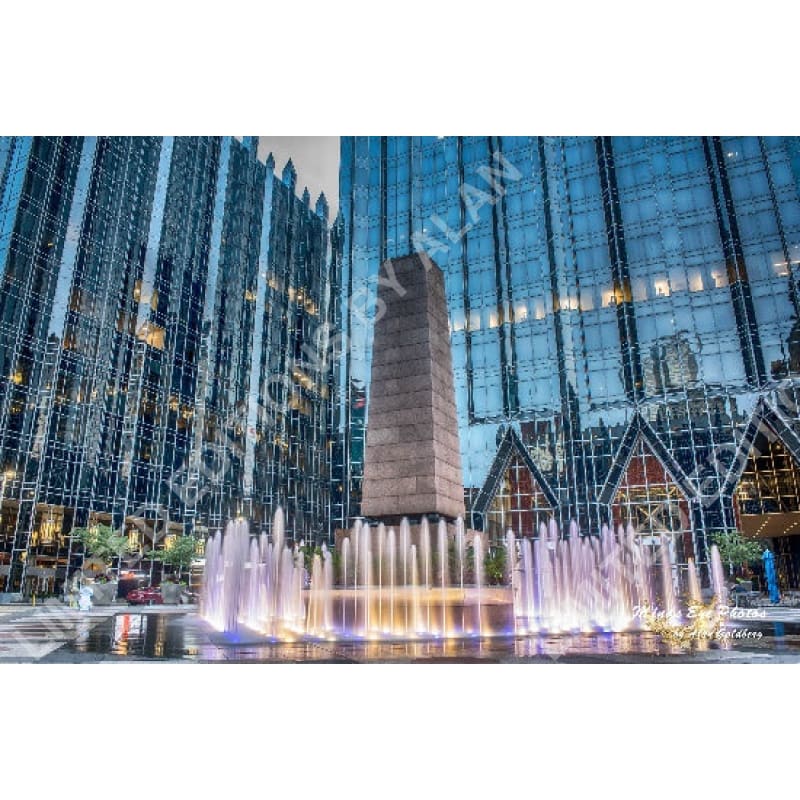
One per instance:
[(625, 304), (669, 365), (767, 497), (164, 322)]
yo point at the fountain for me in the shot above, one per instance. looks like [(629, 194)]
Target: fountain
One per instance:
[(254, 582), (387, 586)]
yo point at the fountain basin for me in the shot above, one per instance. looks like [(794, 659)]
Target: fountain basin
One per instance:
[(407, 614)]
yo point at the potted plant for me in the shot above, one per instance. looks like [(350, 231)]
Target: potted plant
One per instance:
[(177, 556), (171, 589), (737, 552), (102, 543)]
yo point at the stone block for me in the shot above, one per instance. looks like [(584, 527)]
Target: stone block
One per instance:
[(394, 352), (382, 436), (420, 400), (402, 370), (410, 383), (380, 487), (399, 452), (405, 468), (390, 324)]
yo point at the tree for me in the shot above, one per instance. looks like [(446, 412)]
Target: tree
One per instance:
[(309, 551), (494, 566), (736, 550), (101, 541), (178, 555)]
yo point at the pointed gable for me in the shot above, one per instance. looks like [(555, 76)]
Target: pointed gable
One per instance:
[(648, 495), (640, 430), (514, 474)]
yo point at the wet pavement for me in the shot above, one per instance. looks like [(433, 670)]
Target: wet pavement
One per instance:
[(177, 636)]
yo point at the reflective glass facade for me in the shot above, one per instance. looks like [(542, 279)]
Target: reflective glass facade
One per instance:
[(165, 309), (629, 306)]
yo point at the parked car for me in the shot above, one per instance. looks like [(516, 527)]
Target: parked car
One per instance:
[(145, 597)]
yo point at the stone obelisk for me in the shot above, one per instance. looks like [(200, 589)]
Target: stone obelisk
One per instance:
[(412, 463)]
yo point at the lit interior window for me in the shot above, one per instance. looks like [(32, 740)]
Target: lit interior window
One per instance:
[(695, 281), (152, 334), (662, 288)]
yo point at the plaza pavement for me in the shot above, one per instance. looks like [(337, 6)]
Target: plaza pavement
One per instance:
[(121, 633)]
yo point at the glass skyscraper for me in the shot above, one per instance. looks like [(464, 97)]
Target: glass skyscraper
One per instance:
[(624, 322), (185, 337), (165, 309)]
